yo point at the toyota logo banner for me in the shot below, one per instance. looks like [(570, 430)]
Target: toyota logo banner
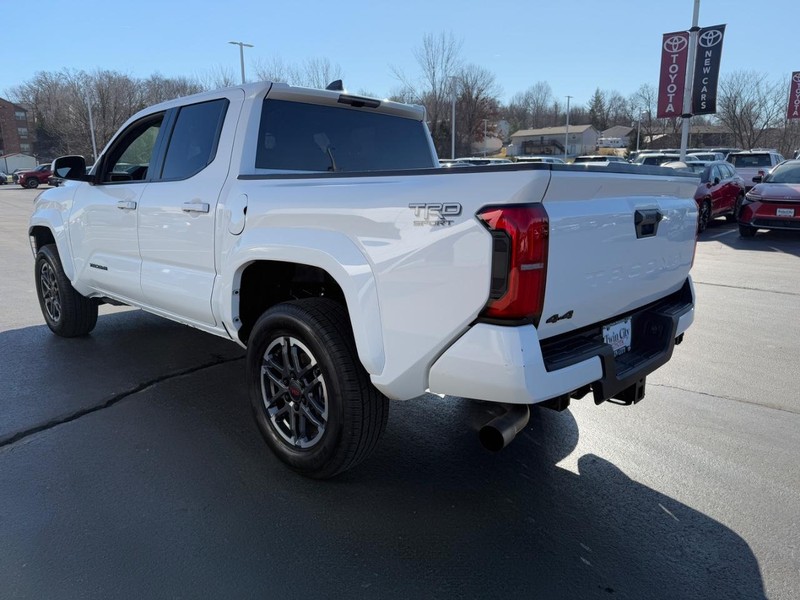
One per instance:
[(794, 97), (674, 52), (706, 70)]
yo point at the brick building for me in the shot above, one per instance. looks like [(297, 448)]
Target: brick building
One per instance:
[(16, 130)]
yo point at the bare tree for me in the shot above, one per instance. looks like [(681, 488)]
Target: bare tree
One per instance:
[(749, 105), (530, 109), (314, 72), (319, 72), (60, 104), (439, 61), (219, 77), (618, 109), (477, 106)]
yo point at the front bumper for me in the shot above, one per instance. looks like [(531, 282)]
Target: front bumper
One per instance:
[(511, 365), (764, 215)]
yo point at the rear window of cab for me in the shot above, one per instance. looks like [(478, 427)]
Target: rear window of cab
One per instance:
[(295, 136)]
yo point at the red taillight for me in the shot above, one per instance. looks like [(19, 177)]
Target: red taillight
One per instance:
[(519, 260)]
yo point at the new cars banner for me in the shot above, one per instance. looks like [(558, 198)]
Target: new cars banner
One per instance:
[(794, 97), (706, 70), (674, 52)]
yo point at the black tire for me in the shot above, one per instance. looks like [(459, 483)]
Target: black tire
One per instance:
[(734, 216), (66, 312), (704, 216), (32, 183), (318, 382), (746, 231)]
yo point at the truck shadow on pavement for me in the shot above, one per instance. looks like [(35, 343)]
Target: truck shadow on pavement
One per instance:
[(171, 492)]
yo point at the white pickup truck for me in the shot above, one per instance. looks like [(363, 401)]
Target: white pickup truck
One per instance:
[(316, 229)]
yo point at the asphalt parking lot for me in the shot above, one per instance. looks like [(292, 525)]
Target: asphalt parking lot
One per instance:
[(130, 466)]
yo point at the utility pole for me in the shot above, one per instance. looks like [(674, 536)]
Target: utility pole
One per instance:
[(485, 123), (566, 135), (242, 46), (686, 117)]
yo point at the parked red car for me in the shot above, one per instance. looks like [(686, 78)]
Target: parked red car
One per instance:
[(32, 179), (774, 202), (720, 193)]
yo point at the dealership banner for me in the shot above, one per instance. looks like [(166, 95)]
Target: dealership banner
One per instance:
[(674, 53), (794, 97), (706, 70)]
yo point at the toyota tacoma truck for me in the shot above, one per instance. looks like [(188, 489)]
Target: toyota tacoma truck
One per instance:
[(316, 229)]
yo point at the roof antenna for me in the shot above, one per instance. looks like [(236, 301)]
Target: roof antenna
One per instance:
[(336, 86)]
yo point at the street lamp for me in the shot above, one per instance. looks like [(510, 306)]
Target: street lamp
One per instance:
[(566, 135), (485, 122), (241, 54), (91, 129), (453, 81)]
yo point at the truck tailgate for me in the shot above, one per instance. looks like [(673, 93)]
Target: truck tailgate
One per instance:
[(618, 241)]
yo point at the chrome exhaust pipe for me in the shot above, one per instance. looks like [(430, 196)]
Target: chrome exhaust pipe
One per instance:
[(500, 431)]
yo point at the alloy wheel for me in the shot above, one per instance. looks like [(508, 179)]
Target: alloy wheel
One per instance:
[(294, 393), (50, 292)]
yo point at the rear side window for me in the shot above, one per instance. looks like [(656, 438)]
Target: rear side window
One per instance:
[(193, 143), (294, 136)]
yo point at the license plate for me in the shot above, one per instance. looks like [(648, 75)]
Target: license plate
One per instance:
[(618, 336), (784, 212)]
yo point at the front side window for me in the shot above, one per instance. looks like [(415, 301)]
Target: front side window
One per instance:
[(131, 156), (193, 143), (295, 136)]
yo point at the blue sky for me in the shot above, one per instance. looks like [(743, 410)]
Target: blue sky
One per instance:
[(575, 45)]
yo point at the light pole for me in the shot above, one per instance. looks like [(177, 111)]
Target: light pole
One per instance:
[(91, 128), (453, 117), (485, 123), (566, 135), (686, 117), (242, 46), (638, 130)]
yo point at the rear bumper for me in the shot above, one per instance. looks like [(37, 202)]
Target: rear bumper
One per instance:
[(511, 364)]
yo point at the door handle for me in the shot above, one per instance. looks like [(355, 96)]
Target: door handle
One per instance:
[(201, 207), (126, 205)]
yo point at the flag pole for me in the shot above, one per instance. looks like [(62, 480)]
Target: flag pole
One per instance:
[(686, 117)]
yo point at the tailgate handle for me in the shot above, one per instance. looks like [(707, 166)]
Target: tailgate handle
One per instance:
[(646, 222)]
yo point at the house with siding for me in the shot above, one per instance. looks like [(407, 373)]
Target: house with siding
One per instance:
[(550, 141)]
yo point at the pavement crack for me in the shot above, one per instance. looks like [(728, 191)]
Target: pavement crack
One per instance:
[(731, 398), (21, 435), (749, 289)]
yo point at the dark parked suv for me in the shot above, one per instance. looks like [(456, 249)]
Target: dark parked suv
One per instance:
[(32, 179)]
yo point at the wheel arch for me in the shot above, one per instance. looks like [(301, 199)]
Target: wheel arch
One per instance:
[(48, 229), (265, 275)]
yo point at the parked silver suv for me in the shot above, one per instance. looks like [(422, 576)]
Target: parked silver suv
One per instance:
[(751, 163)]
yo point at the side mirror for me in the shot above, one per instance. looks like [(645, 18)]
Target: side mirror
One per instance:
[(70, 167), (758, 179), (716, 180)]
